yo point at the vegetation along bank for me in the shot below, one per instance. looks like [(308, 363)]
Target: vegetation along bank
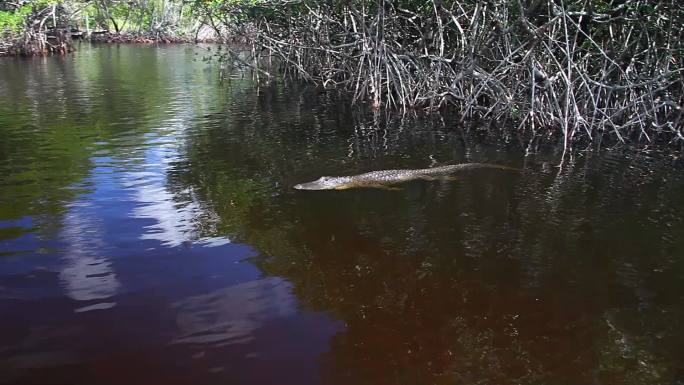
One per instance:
[(575, 69)]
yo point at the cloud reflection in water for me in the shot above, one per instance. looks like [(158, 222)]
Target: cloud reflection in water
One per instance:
[(230, 315)]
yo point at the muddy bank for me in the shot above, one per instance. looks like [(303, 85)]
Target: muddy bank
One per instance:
[(61, 42), (138, 38)]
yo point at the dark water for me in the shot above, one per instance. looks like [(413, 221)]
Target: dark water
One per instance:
[(149, 234)]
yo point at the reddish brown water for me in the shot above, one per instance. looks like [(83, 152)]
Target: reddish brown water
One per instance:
[(149, 234)]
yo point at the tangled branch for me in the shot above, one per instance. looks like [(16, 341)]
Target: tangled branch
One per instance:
[(580, 67)]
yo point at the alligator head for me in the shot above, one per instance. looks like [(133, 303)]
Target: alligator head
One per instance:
[(326, 183)]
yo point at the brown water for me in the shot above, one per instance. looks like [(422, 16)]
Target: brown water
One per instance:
[(149, 234)]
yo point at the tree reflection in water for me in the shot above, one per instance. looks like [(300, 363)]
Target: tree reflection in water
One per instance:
[(547, 276)]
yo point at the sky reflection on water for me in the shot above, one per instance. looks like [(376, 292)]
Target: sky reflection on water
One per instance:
[(149, 234)]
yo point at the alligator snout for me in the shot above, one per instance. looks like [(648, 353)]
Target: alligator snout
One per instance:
[(301, 186), (322, 183)]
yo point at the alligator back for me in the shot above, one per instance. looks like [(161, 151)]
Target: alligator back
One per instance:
[(386, 177)]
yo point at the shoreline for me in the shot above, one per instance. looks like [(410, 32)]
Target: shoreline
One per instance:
[(139, 38), (11, 46), (634, 138)]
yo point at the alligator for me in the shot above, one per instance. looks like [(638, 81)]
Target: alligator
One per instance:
[(387, 178)]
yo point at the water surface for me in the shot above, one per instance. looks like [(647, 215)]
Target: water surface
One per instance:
[(149, 233)]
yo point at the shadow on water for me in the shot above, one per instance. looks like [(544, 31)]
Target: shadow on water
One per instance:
[(149, 233)]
